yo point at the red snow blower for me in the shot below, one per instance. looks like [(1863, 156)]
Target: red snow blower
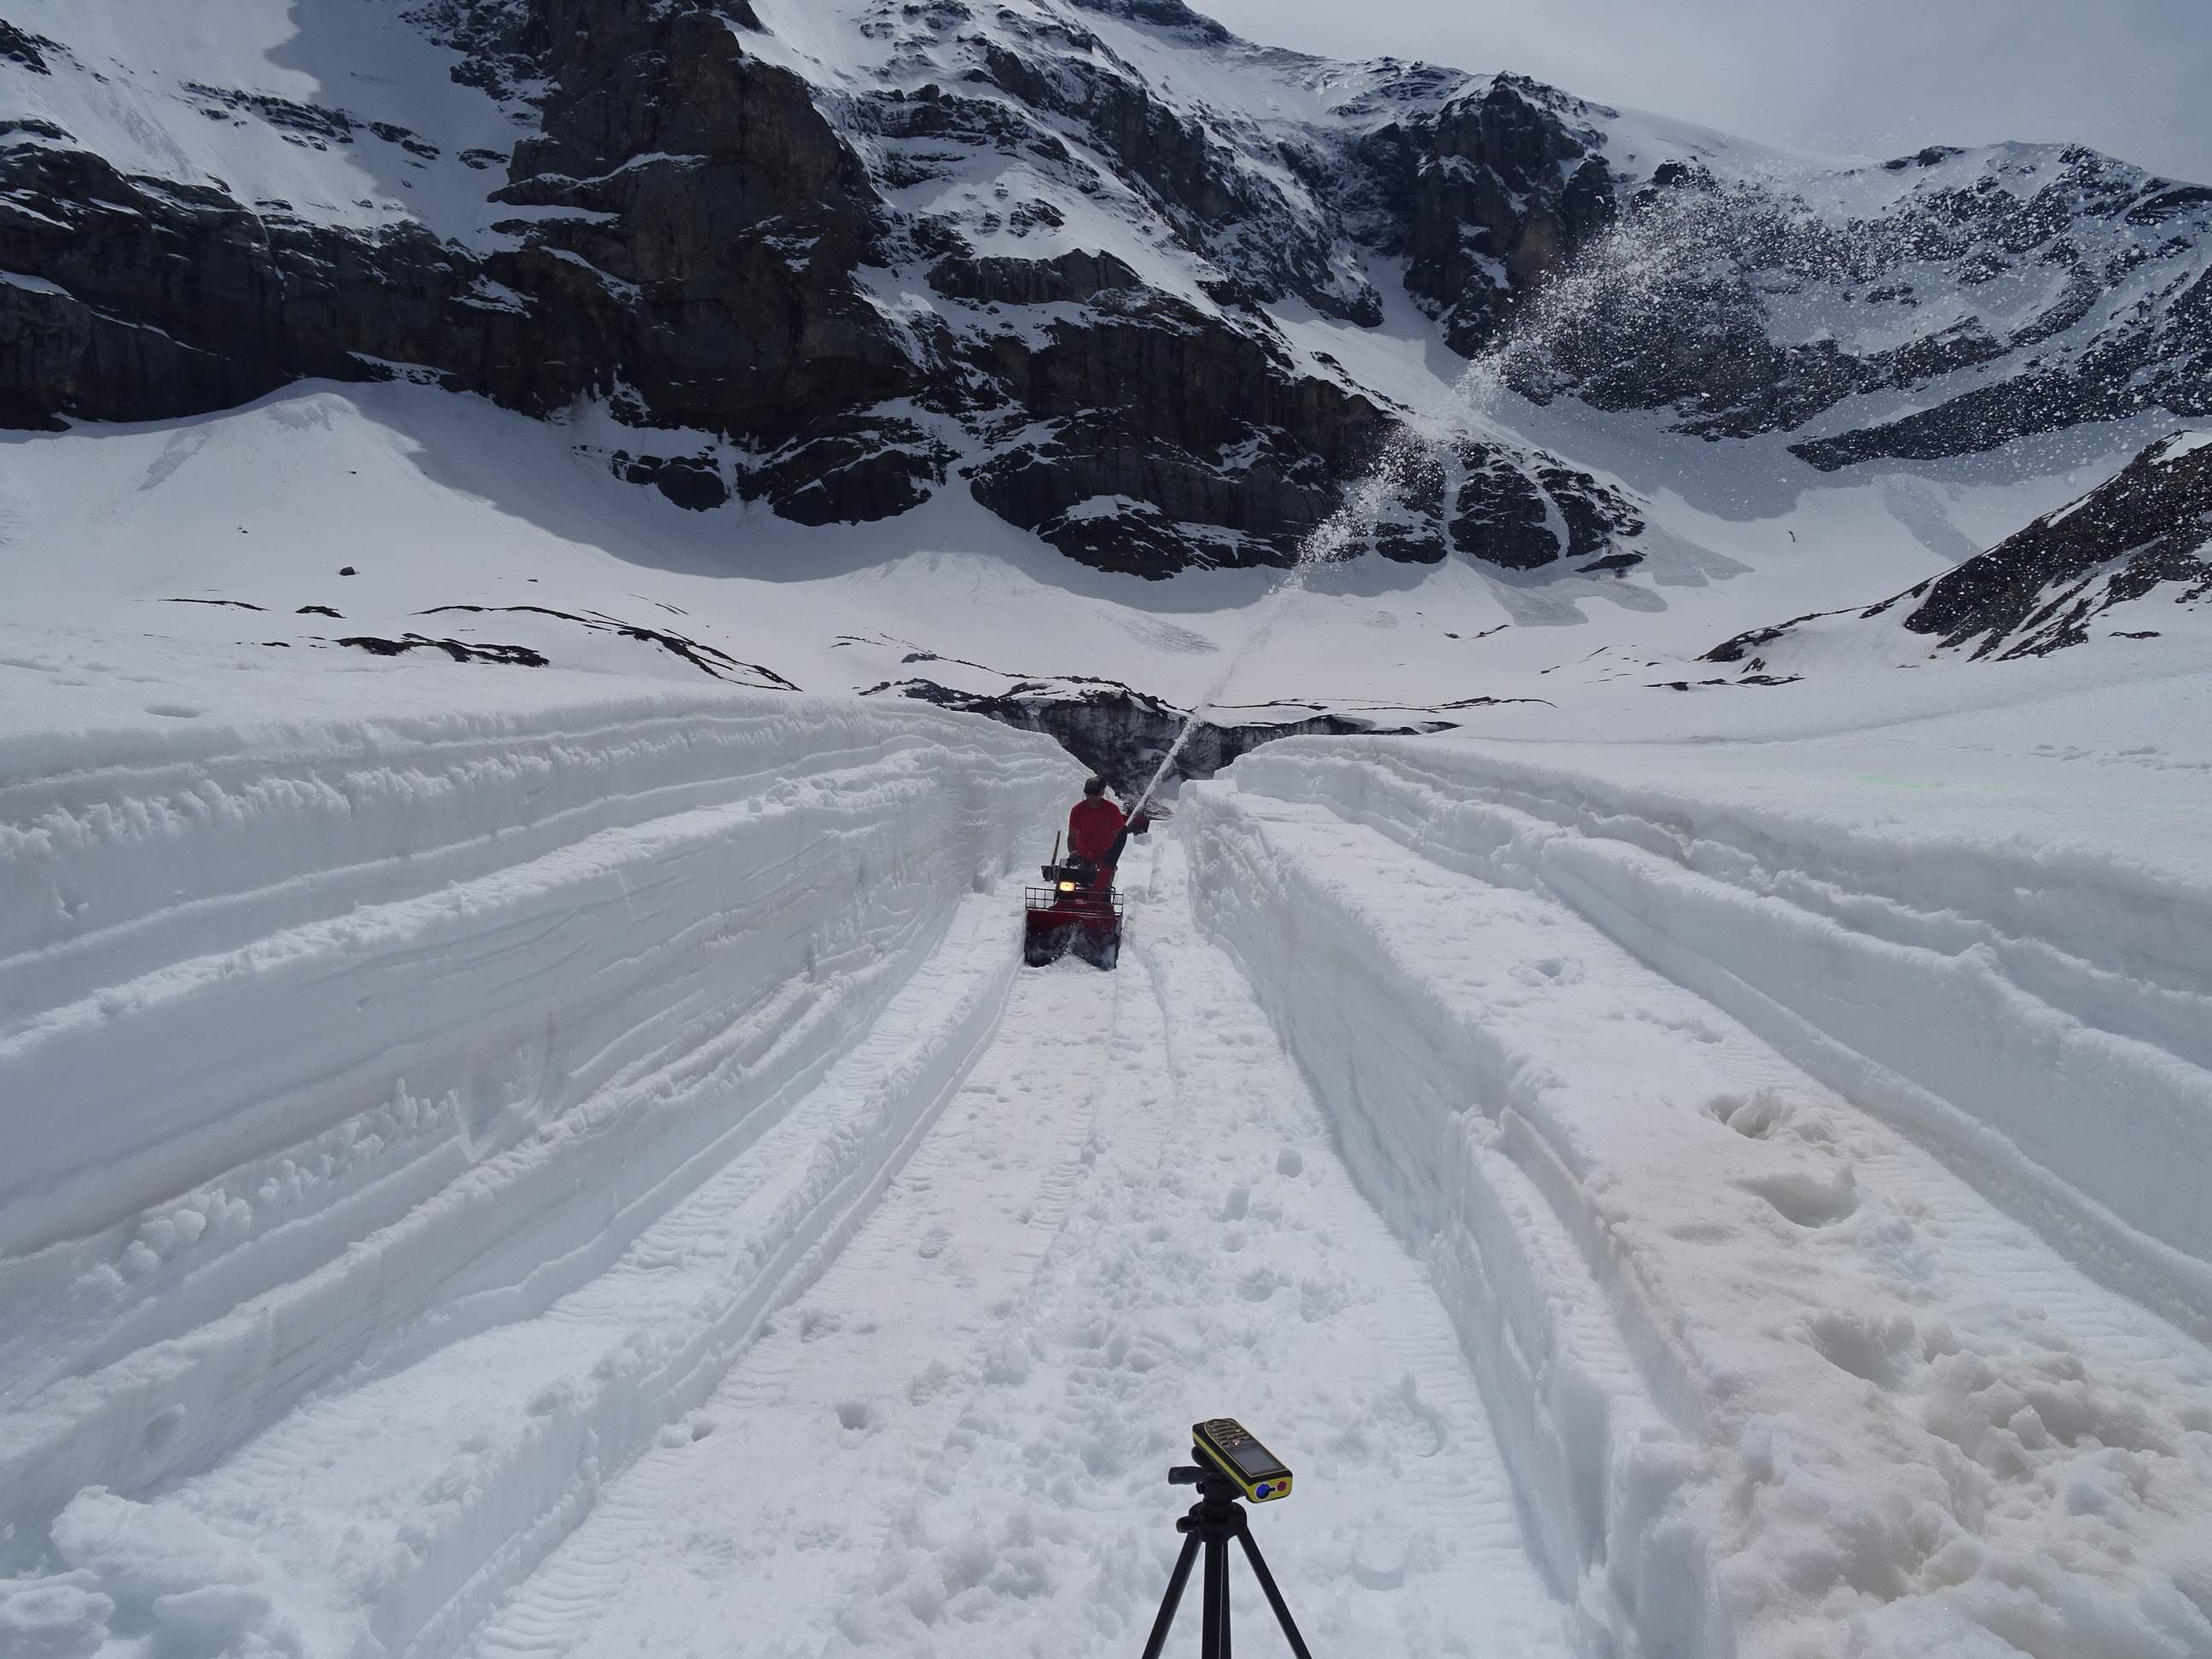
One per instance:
[(1076, 909)]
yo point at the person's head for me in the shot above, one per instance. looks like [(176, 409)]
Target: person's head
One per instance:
[(1094, 787)]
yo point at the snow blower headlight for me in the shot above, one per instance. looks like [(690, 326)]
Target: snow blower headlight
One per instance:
[(1067, 887), (1233, 1448)]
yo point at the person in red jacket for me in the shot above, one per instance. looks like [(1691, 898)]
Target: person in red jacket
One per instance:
[(1096, 831)]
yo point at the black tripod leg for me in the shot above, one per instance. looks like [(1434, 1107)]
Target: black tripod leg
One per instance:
[(1173, 1599), (1215, 1642), (1274, 1596), (1224, 1599)]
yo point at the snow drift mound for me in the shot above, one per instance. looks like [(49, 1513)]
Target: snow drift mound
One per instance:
[(326, 1045)]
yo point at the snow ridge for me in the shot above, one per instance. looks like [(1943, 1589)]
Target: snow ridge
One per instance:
[(1860, 1393), (668, 917)]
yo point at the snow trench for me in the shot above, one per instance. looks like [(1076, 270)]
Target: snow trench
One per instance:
[(327, 1052), (1585, 1428), (597, 1181), (953, 1444)]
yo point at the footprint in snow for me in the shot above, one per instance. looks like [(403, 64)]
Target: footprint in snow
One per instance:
[(1808, 1198), (1755, 1115), (1882, 1352)]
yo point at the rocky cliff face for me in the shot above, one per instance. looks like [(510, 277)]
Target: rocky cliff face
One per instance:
[(2126, 560), (1123, 735), (1995, 294), (1486, 195), (839, 257)]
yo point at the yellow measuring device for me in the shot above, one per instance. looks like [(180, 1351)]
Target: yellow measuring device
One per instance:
[(1234, 1450)]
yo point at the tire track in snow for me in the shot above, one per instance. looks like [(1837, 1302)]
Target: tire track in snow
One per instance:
[(883, 1345)]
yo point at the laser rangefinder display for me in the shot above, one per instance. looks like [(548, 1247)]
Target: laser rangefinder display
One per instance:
[(1230, 1447)]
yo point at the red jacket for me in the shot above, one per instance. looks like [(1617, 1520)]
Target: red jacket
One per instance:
[(1092, 828)]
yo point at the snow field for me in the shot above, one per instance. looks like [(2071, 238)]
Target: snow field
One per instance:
[(956, 1442), (264, 1159), (151, 89), (1864, 1407)]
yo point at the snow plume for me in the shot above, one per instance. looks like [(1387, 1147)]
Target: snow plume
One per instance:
[(1664, 257)]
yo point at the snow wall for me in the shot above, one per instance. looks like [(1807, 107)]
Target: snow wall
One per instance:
[(251, 1147), (2037, 1015)]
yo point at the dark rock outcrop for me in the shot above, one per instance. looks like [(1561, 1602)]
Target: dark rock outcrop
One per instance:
[(1175, 438), (723, 252), (2037, 591), (1123, 735), (1230, 212), (717, 215), (1488, 196), (693, 483), (1074, 276), (851, 470), (162, 300), (2148, 528), (1525, 513), (20, 46)]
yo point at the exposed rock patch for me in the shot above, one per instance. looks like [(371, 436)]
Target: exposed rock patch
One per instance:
[(708, 659), (518, 656), (2147, 530)]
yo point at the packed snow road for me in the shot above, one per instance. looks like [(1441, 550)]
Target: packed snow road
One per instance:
[(955, 1442)]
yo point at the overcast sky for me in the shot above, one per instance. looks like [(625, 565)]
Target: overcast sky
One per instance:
[(1873, 77)]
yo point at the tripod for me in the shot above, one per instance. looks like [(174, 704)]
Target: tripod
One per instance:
[(1215, 1519)]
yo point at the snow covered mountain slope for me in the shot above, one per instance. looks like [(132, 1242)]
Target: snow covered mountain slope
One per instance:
[(2133, 550), (226, 538), (1146, 290)]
